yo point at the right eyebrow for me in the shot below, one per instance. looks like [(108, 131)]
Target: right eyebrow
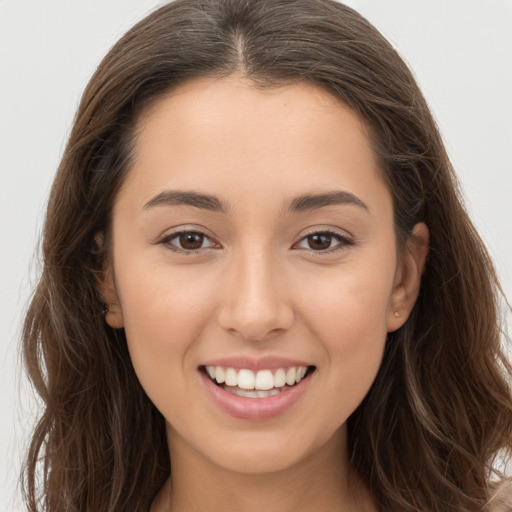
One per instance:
[(183, 197)]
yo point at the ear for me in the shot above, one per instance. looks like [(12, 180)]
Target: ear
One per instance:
[(406, 286), (106, 288)]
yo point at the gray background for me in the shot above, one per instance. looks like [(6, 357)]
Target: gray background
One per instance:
[(460, 51)]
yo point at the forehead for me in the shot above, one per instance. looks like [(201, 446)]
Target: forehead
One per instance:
[(209, 106), (225, 135)]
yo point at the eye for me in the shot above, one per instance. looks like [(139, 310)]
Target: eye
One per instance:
[(324, 241), (188, 241)]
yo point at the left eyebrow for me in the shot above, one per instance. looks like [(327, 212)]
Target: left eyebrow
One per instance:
[(314, 201)]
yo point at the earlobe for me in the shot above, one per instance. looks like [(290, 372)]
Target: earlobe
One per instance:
[(112, 308), (408, 277), (106, 288)]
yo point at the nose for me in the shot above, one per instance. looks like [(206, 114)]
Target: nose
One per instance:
[(255, 302)]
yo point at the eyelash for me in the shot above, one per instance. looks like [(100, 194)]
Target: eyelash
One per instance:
[(343, 242), (166, 241)]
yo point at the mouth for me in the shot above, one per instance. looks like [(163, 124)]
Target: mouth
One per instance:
[(263, 383)]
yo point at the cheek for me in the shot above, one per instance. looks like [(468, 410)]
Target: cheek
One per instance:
[(164, 316), (349, 303), (348, 317)]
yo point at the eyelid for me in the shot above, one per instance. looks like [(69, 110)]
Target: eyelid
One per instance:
[(345, 240), (166, 238)]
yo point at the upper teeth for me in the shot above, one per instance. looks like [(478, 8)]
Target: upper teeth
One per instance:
[(262, 380)]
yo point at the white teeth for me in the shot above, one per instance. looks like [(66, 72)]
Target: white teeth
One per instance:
[(243, 392), (279, 378), (231, 377), (290, 376), (254, 394), (219, 375), (263, 380), (245, 379)]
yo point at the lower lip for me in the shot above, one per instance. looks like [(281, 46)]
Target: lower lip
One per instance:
[(254, 409)]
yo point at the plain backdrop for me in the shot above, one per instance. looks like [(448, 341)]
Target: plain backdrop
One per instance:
[(459, 50)]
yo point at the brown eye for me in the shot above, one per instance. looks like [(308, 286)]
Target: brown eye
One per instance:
[(188, 242), (319, 242), (324, 242), (191, 241)]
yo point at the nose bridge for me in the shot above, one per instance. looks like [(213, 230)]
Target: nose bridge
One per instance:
[(255, 303)]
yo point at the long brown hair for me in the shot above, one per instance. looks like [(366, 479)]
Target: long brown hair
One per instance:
[(440, 411)]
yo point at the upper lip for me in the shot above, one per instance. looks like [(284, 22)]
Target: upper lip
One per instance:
[(255, 364)]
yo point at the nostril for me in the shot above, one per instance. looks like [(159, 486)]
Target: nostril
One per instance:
[(256, 317)]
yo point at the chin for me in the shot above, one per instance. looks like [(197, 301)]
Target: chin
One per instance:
[(254, 462), (267, 451)]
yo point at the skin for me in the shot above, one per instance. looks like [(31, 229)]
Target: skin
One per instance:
[(257, 286)]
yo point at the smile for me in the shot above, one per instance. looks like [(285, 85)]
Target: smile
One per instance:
[(255, 394), (260, 384)]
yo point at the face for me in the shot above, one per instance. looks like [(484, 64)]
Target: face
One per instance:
[(256, 271)]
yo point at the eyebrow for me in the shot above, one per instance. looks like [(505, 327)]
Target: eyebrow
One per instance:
[(180, 198), (302, 203), (315, 201)]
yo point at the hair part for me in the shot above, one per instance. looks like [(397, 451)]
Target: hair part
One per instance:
[(441, 396)]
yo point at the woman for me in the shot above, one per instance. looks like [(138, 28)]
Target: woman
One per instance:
[(260, 288)]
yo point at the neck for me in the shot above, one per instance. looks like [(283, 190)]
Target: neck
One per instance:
[(321, 481)]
